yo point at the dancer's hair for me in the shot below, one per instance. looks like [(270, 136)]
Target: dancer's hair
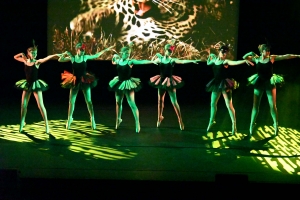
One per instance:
[(33, 48), (80, 46), (169, 47), (224, 48), (263, 47)]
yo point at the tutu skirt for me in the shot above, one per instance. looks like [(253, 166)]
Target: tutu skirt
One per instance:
[(260, 83), (131, 84), (38, 85), (71, 81), (221, 85), (166, 82)]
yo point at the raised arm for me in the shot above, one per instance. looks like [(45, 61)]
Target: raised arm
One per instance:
[(65, 57), (211, 59), (250, 56), (157, 58), (284, 57), (97, 55), (156, 61), (115, 59), (20, 57)]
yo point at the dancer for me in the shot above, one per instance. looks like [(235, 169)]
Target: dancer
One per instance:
[(32, 84), (167, 82), (265, 80), (79, 80), (221, 84), (124, 84)]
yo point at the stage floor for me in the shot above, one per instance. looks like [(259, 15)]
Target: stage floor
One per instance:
[(155, 154)]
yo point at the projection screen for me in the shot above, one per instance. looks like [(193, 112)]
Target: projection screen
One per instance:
[(195, 27)]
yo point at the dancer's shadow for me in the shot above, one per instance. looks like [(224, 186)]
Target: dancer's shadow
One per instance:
[(244, 148), (95, 133), (33, 138), (215, 137), (248, 145), (235, 148), (51, 139)]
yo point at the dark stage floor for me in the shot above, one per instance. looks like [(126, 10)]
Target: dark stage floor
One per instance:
[(155, 155)]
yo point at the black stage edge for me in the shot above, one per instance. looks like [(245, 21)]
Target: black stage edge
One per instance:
[(232, 187)]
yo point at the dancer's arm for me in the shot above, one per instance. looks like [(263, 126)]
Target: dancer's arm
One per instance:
[(65, 57), (211, 59), (251, 56), (284, 57), (157, 58), (20, 57), (115, 59), (178, 61), (97, 55), (141, 62), (40, 61), (238, 62), (231, 62)]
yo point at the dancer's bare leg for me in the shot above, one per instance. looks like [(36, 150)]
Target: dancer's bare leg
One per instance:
[(160, 107), (175, 104), (255, 110), (72, 99), (24, 104), (215, 96), (228, 101), (271, 94), (119, 108), (88, 101), (39, 99), (134, 109)]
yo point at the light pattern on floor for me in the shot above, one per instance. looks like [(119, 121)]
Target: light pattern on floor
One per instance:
[(79, 139), (280, 153)]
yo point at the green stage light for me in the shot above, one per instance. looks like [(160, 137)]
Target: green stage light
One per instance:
[(280, 153), (79, 139)]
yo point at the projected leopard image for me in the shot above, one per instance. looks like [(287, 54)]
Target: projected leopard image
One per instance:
[(195, 25)]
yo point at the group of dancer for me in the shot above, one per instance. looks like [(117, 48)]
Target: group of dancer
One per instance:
[(125, 85)]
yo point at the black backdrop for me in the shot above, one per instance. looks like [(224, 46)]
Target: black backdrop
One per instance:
[(275, 21)]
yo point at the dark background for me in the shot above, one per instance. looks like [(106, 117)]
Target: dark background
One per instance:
[(275, 22)]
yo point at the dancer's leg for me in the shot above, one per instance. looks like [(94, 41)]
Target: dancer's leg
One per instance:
[(72, 99), (213, 108), (271, 94), (24, 104), (160, 107), (256, 102), (39, 99), (173, 97), (119, 108), (89, 103), (134, 109), (228, 101)]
